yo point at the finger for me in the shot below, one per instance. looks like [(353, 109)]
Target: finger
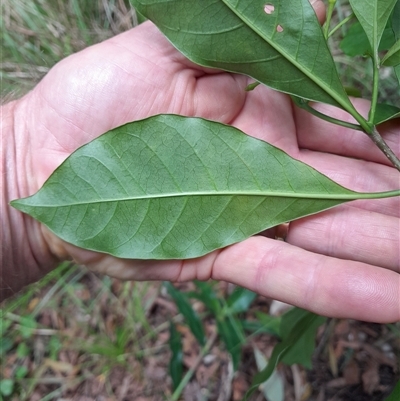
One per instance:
[(317, 134), (267, 115), (275, 269), (351, 234), (358, 175), (319, 8), (324, 285)]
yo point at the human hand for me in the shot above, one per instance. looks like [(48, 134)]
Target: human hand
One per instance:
[(343, 262)]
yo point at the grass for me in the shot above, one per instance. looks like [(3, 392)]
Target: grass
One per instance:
[(36, 34), (75, 331), (72, 327)]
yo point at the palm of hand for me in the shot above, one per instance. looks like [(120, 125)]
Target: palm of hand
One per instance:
[(138, 74)]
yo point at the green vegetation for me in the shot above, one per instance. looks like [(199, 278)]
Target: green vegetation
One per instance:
[(36, 34)]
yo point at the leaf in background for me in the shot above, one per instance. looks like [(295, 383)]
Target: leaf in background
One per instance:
[(392, 57), (184, 307), (170, 187), (6, 387), (273, 323), (397, 72), (264, 323), (355, 42), (395, 19), (352, 91), (274, 388), (300, 352), (385, 112), (373, 16), (257, 327), (176, 361), (279, 44), (240, 300), (396, 32), (280, 351), (206, 294), (229, 330)]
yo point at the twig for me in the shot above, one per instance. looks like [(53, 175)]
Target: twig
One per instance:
[(384, 147), (177, 393)]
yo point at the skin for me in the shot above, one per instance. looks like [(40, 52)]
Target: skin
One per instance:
[(341, 263)]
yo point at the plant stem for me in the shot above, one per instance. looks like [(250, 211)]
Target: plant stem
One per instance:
[(365, 126), (375, 89), (340, 24), (329, 13), (252, 86), (177, 393), (332, 120), (384, 147)]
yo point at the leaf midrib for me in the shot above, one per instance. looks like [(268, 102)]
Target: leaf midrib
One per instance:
[(375, 30), (343, 102), (345, 197)]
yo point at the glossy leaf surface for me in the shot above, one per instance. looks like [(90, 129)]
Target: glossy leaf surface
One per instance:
[(173, 187), (279, 43), (373, 16)]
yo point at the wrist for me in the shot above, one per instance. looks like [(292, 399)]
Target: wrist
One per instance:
[(25, 255)]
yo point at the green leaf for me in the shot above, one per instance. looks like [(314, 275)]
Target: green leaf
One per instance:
[(206, 294), (5, 345), (6, 387), (264, 323), (392, 57), (21, 372), (397, 72), (176, 361), (240, 300), (385, 112), (373, 16), (396, 32), (274, 388), (27, 326), (301, 351), (355, 42), (229, 330), (184, 307), (22, 350), (281, 46), (395, 20), (395, 394), (170, 187), (270, 323), (280, 351)]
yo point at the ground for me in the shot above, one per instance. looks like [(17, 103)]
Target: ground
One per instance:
[(84, 337)]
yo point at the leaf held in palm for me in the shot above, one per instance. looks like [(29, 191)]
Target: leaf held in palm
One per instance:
[(174, 187)]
